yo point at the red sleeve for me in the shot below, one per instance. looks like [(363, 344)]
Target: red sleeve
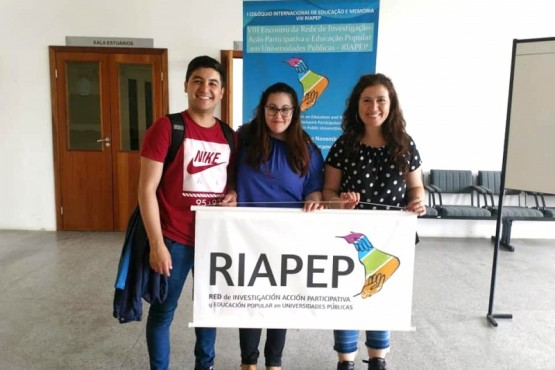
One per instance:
[(156, 141)]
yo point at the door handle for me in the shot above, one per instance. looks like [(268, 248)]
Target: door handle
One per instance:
[(105, 140)]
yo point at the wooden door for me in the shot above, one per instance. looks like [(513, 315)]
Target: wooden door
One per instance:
[(232, 101), (138, 99), (102, 101)]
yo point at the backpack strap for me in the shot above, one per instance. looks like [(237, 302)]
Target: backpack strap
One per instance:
[(230, 138), (229, 135), (178, 133)]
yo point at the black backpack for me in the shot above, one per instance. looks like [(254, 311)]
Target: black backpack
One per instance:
[(140, 281)]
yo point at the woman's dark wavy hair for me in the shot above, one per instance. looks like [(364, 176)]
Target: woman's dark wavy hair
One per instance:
[(393, 128), (259, 146)]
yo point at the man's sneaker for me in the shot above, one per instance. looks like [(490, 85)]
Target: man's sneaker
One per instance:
[(346, 365), (376, 363)]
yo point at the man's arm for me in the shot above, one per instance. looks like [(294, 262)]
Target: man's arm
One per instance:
[(151, 174)]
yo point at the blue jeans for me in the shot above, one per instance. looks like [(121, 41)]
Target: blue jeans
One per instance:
[(160, 316), (346, 341)]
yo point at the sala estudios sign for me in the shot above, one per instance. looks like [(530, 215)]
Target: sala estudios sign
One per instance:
[(122, 42)]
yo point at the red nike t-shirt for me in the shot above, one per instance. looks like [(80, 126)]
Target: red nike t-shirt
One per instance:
[(197, 175)]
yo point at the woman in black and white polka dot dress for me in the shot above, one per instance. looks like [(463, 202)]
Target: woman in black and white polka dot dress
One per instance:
[(373, 165)]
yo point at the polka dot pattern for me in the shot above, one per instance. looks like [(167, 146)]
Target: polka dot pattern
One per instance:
[(369, 171)]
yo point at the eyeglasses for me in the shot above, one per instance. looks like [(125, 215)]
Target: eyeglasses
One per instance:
[(284, 111)]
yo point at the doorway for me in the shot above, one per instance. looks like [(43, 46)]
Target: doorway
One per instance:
[(103, 100)]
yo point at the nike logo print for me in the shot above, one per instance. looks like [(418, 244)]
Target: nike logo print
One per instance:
[(208, 160), (192, 168)]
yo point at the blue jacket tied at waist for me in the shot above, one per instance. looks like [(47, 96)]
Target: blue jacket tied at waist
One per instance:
[(135, 279)]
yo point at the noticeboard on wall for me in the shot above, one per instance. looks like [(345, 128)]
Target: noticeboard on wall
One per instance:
[(529, 159)]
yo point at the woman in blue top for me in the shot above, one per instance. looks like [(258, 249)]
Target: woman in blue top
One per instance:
[(278, 166)]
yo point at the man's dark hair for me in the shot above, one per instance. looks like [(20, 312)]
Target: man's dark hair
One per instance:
[(206, 62)]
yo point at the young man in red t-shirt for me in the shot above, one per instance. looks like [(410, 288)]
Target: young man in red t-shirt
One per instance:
[(197, 176)]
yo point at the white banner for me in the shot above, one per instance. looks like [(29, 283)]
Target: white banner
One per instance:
[(285, 268)]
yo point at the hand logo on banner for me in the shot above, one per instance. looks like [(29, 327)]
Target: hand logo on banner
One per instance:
[(378, 265), (313, 83)]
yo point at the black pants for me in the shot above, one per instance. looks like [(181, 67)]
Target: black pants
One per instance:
[(273, 349)]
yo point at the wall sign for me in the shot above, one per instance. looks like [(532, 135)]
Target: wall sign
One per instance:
[(110, 42)]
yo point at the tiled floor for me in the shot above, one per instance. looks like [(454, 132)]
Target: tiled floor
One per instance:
[(56, 306)]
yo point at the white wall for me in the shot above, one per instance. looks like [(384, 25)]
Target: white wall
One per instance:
[(186, 28), (450, 61)]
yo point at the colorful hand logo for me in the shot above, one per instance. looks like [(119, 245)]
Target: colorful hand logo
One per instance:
[(378, 266)]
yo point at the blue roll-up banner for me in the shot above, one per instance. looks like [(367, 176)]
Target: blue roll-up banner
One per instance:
[(320, 47)]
